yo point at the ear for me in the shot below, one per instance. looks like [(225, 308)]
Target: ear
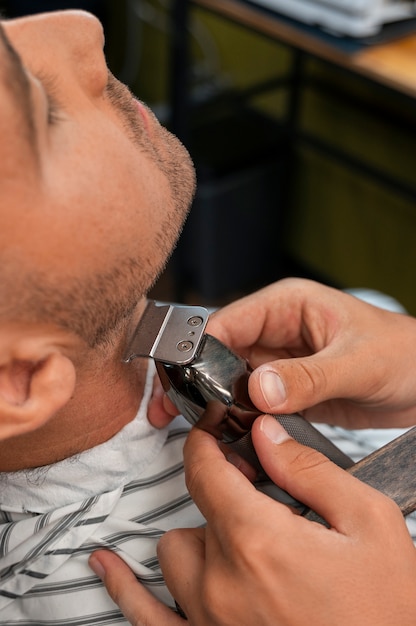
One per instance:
[(36, 380)]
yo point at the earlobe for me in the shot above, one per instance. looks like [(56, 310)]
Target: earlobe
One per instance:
[(32, 391)]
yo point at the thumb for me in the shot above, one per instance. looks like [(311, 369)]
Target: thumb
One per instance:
[(291, 385), (310, 477)]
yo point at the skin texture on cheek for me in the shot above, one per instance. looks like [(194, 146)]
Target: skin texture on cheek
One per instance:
[(94, 243), (84, 234), (83, 269)]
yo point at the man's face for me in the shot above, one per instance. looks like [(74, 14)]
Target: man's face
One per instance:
[(93, 192)]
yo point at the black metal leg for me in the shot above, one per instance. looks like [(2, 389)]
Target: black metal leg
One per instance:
[(180, 68)]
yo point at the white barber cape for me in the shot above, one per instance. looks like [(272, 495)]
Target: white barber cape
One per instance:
[(121, 495)]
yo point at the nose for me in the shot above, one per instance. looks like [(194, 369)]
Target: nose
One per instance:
[(63, 41)]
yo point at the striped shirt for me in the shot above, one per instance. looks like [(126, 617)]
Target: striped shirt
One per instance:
[(122, 495), (51, 521)]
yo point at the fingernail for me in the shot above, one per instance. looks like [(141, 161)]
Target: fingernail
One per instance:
[(273, 430), (96, 566), (272, 388)]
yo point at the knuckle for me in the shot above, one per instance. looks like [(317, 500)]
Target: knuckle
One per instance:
[(241, 545), (306, 460), (384, 511), (314, 380), (192, 478), (304, 466), (245, 560), (246, 549), (165, 542)]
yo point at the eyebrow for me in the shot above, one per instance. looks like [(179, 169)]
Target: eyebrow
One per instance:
[(14, 78)]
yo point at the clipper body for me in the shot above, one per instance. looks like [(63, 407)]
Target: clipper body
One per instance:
[(208, 384)]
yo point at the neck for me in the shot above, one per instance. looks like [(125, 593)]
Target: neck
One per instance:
[(106, 398)]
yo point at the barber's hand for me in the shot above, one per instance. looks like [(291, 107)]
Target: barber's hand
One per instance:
[(258, 563), (161, 411), (138, 605), (261, 564), (323, 352)]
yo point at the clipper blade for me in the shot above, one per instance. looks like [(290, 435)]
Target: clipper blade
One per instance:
[(168, 333)]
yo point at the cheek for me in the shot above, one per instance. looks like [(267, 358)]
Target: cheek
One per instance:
[(114, 205)]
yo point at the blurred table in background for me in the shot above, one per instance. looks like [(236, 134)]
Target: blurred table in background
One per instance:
[(385, 62)]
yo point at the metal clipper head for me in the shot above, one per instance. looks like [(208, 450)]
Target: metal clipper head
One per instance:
[(208, 383)]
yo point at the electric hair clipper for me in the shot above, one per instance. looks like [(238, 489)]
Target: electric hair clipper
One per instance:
[(207, 382)]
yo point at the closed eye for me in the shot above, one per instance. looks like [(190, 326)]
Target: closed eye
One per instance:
[(54, 107)]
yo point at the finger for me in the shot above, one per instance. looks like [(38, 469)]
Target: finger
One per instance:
[(311, 478), (221, 492), (183, 575), (340, 370), (279, 316), (136, 603), (351, 414), (285, 319), (316, 327), (256, 318), (291, 385), (160, 411)]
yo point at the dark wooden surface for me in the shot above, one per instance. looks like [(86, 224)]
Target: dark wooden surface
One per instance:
[(391, 64), (391, 470)]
